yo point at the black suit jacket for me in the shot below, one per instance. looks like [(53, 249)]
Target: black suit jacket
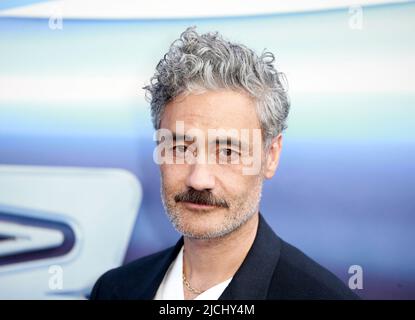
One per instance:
[(272, 269)]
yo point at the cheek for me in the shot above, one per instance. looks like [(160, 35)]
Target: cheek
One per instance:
[(173, 176), (236, 185), (247, 185)]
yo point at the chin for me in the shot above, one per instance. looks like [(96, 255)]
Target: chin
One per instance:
[(204, 234), (201, 225)]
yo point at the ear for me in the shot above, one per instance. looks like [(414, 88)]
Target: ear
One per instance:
[(272, 157)]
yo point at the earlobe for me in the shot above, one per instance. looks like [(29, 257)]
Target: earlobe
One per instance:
[(273, 157)]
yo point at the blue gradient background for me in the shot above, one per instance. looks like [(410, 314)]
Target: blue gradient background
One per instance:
[(344, 191)]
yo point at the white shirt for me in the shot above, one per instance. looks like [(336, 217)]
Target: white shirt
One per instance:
[(171, 288)]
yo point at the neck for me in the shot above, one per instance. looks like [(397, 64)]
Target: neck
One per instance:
[(208, 262)]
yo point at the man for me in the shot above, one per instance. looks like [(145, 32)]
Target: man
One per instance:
[(214, 99)]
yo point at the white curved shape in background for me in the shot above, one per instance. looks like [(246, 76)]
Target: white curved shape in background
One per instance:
[(100, 205)]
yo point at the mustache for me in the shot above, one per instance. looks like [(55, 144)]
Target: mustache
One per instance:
[(204, 197)]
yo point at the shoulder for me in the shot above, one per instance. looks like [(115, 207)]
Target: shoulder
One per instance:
[(115, 282), (297, 276)]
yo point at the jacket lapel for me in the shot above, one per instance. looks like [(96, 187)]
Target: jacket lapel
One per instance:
[(252, 280), (147, 289)]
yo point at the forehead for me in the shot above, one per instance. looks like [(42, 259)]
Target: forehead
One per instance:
[(219, 109)]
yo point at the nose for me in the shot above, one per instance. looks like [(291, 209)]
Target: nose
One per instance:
[(200, 178)]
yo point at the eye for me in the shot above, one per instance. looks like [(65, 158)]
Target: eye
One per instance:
[(228, 154), (179, 149)]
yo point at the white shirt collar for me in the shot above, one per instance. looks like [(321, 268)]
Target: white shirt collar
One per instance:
[(171, 288)]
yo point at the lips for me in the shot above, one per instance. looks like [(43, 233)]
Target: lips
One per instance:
[(197, 206)]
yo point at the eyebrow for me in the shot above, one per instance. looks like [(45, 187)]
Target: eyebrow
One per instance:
[(181, 137), (229, 141)]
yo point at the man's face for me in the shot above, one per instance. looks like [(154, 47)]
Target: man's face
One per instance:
[(206, 199)]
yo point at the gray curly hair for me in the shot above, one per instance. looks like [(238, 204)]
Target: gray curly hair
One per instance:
[(208, 62)]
